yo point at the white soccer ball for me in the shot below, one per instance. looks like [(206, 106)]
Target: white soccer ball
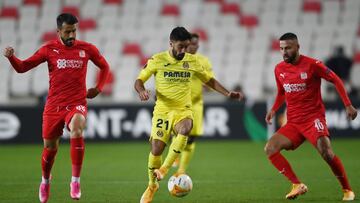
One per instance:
[(180, 185)]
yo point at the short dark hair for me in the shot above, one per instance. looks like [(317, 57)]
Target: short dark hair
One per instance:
[(180, 34), (195, 35), (288, 36), (66, 18)]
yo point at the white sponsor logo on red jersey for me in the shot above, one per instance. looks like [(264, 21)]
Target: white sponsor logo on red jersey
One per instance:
[(64, 63), (82, 53), (303, 75), (80, 108), (294, 87)]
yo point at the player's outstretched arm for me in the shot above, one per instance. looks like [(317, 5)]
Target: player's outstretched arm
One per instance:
[(340, 88), (23, 66), (214, 84), (143, 93), (324, 72)]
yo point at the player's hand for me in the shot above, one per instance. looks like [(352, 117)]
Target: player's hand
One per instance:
[(236, 95), (144, 95), (351, 112), (92, 92), (8, 52), (269, 117)]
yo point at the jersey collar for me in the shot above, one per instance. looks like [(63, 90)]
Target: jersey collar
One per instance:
[(62, 43), (300, 59)]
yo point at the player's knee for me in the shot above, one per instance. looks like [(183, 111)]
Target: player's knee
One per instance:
[(51, 144), (270, 149), (76, 132), (184, 130), (51, 147), (156, 151)]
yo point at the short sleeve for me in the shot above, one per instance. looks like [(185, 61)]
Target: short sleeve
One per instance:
[(203, 75), (208, 67), (148, 70)]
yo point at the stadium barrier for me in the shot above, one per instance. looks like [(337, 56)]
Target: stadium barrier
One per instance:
[(133, 122)]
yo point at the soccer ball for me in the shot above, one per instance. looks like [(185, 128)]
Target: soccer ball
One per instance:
[(180, 185)]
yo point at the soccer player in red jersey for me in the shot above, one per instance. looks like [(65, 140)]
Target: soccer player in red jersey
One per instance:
[(298, 80), (66, 104)]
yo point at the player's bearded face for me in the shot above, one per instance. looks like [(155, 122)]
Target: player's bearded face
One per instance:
[(68, 34), (178, 49), (289, 50)]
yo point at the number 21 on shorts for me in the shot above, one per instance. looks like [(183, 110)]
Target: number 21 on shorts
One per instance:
[(160, 124)]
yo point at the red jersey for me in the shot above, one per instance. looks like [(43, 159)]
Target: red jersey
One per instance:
[(299, 85), (67, 70)]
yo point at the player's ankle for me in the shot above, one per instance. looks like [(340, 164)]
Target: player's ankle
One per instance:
[(45, 180), (75, 179)]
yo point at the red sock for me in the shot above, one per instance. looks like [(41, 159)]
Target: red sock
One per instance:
[(338, 169), (77, 148), (284, 167), (47, 161)]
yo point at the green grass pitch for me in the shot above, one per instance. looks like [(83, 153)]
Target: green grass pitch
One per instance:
[(222, 172)]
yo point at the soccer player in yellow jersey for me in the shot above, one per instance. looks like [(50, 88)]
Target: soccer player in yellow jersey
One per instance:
[(173, 71), (197, 105)]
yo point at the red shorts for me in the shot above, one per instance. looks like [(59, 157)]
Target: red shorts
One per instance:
[(298, 132), (55, 118)]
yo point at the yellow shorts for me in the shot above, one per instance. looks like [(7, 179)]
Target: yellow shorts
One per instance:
[(198, 129), (163, 123)]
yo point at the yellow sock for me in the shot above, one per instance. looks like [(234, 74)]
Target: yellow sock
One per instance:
[(186, 156), (154, 162), (176, 147)]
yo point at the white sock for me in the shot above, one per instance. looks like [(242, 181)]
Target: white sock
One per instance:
[(75, 179), (44, 180)]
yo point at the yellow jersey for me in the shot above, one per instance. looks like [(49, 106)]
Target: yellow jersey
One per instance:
[(173, 79), (197, 84)]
